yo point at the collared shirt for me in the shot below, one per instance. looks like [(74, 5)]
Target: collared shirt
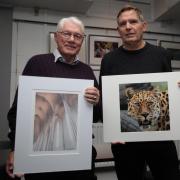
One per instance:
[(59, 57)]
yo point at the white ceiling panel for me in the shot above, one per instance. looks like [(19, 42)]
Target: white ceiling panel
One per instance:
[(74, 6)]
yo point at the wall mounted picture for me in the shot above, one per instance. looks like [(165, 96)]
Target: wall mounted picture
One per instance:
[(144, 107), (51, 124), (100, 45)]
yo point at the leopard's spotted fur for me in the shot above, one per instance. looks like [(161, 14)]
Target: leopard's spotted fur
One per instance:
[(150, 108)]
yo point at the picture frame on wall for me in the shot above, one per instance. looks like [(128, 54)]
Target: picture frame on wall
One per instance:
[(53, 46), (130, 127), (59, 104), (100, 45)]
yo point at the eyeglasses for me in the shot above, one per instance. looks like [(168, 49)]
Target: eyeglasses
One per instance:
[(67, 35)]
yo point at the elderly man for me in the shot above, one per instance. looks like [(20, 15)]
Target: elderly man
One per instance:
[(63, 63)]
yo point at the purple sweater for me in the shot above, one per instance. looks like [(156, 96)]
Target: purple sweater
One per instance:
[(44, 65)]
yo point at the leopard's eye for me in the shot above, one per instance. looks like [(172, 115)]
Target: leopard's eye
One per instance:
[(137, 104), (149, 103)]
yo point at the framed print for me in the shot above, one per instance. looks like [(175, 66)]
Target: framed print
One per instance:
[(144, 107), (53, 46), (54, 125), (100, 45)]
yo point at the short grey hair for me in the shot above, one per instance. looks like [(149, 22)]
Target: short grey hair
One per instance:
[(72, 19)]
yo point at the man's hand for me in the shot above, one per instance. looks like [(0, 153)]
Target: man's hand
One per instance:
[(10, 165), (92, 95)]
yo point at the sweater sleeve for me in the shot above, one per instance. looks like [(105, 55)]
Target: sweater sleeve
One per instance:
[(12, 113), (11, 116), (96, 108), (166, 58), (167, 65)]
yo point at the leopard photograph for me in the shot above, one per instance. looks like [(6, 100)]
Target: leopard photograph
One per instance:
[(147, 109)]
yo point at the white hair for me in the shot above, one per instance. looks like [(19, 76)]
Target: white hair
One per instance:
[(72, 19)]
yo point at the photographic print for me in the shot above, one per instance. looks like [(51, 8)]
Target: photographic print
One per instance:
[(54, 122), (144, 107), (100, 45)]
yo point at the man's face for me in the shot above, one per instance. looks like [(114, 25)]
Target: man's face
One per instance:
[(131, 28), (69, 40)]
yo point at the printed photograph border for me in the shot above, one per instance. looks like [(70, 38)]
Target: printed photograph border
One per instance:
[(29, 161), (111, 116)]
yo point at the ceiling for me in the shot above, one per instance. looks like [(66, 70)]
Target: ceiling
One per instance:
[(74, 6), (81, 6)]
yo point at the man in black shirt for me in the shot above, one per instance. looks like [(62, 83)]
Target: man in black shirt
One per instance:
[(136, 56)]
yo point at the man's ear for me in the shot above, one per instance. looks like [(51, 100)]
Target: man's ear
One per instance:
[(119, 32), (145, 26)]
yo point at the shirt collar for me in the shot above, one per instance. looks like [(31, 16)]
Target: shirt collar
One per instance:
[(59, 57)]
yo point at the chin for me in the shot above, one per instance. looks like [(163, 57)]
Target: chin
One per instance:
[(70, 52), (130, 40)]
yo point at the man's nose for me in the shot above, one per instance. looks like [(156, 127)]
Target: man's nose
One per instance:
[(128, 25), (72, 37)]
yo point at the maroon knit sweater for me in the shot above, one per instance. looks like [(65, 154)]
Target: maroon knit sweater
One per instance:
[(44, 65)]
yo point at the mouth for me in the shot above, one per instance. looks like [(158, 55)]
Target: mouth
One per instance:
[(70, 47), (129, 35), (145, 123)]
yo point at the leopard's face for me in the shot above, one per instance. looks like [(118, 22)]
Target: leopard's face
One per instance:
[(145, 107)]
